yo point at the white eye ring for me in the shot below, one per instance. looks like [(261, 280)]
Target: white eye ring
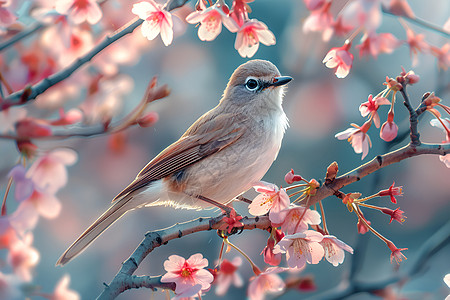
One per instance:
[(252, 84)]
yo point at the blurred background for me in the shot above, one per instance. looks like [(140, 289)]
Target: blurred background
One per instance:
[(318, 105)]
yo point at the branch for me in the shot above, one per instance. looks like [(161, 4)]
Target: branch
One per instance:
[(433, 245), (153, 239), (419, 22), (21, 35), (375, 164), (40, 87), (413, 117)]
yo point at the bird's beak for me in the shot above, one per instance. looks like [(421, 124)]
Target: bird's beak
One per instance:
[(281, 80)]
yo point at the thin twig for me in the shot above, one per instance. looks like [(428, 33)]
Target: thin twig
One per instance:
[(46, 83), (23, 34), (419, 22), (413, 122)]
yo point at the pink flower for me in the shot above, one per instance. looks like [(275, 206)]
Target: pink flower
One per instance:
[(444, 124), (416, 44), (211, 19), (361, 225), (396, 214), (31, 128), (156, 20), (233, 221), (24, 186), (396, 253), (334, 249), (228, 274), (341, 59), (71, 117), (297, 218), (358, 138), (148, 119), (363, 13), (400, 8), (9, 117), (270, 257), (301, 248), (371, 107), (45, 204), (62, 291), (320, 20), (49, 171), (270, 199), (251, 33), (80, 10), (375, 44), (391, 192), (7, 17), (314, 4), (290, 177), (187, 273), (389, 129), (23, 258), (266, 282), (443, 56)]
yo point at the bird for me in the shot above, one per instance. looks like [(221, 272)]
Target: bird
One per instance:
[(220, 156)]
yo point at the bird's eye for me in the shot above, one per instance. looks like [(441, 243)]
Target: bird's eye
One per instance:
[(252, 84)]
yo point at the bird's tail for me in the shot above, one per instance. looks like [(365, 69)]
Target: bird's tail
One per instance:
[(118, 209)]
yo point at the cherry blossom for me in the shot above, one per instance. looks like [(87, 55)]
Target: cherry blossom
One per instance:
[(156, 20), (62, 291), (80, 10), (49, 170), (389, 129), (371, 107), (250, 34), (363, 13), (374, 44), (45, 204), (396, 214), (358, 138), (400, 8), (297, 218), (24, 186), (68, 118), (233, 221), (228, 275), (270, 257), (211, 20), (444, 125), (7, 17), (265, 282), (271, 198), (396, 253), (23, 257), (341, 59), (187, 273), (290, 177), (334, 249), (31, 128), (320, 20), (443, 55), (416, 44), (314, 4), (301, 248), (391, 192)]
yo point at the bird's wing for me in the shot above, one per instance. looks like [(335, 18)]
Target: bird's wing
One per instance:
[(203, 138)]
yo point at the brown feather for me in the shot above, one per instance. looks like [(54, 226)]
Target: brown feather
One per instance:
[(205, 137)]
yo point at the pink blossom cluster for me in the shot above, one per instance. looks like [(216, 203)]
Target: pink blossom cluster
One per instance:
[(250, 32), (365, 17), (35, 191)]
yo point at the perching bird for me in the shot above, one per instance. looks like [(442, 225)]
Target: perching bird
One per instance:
[(218, 158)]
